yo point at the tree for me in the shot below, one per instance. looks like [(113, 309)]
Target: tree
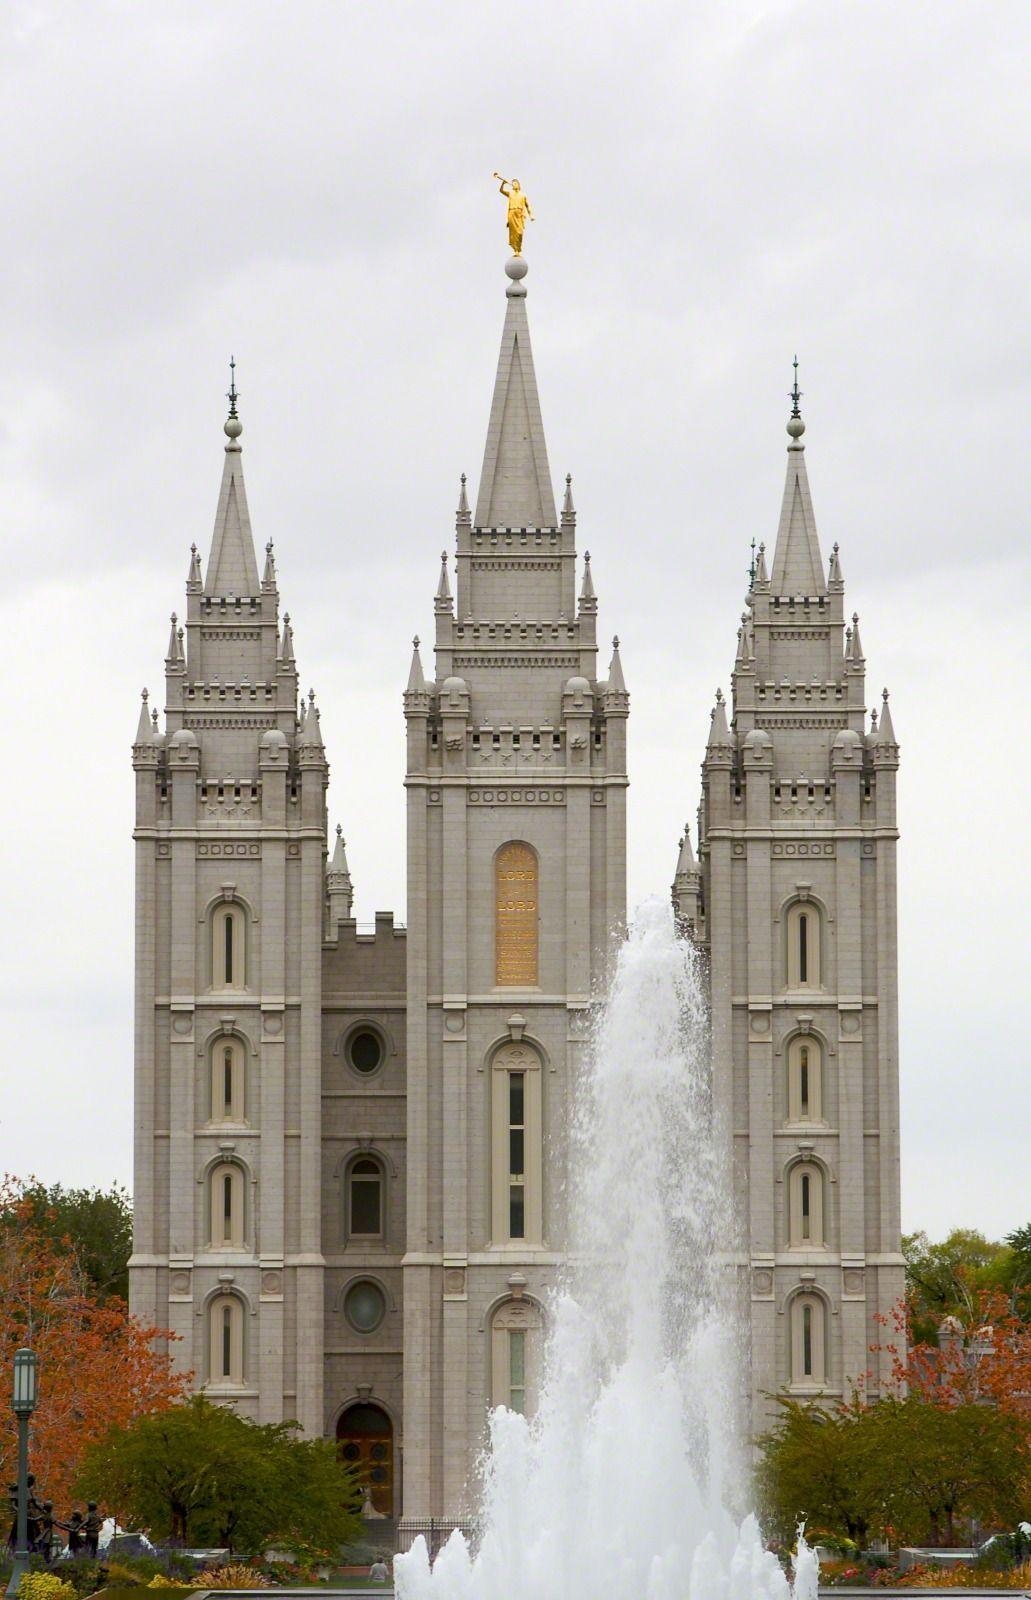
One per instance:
[(94, 1225), (818, 1466), (984, 1358), (199, 1472), (943, 1464), (97, 1365), (945, 1279)]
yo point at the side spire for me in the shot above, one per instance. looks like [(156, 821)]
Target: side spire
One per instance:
[(442, 599), (568, 508), (232, 568), (617, 684), (416, 679), (515, 482), (797, 563), (588, 598)]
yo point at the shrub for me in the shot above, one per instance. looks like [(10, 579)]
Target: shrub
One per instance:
[(44, 1586), (230, 1577)]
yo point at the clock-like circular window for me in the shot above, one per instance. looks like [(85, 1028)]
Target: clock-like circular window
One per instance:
[(365, 1051), (365, 1306)]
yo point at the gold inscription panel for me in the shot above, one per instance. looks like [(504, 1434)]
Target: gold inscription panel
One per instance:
[(516, 915)]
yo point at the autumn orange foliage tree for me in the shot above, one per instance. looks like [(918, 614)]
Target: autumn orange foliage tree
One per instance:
[(98, 1367), (983, 1359)]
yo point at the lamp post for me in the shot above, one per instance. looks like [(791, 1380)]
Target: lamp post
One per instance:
[(26, 1393)]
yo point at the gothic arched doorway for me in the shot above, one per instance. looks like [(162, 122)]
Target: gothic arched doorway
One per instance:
[(365, 1439)]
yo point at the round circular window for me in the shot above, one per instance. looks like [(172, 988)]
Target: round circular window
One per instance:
[(365, 1050), (364, 1306)]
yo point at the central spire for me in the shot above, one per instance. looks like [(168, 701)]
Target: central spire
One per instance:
[(515, 483)]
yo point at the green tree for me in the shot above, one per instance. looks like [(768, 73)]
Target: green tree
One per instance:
[(945, 1279), (942, 1466), (200, 1474), (818, 1465), (95, 1225)]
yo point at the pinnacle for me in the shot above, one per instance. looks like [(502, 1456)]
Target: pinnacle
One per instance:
[(797, 564), (515, 481)]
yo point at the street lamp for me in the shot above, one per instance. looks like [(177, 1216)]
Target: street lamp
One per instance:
[(25, 1395)]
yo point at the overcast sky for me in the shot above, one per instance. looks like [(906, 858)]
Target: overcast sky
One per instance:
[(718, 183)]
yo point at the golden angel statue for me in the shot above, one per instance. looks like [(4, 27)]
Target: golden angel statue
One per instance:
[(518, 211)]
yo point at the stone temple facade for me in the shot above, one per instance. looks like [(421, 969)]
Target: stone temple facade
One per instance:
[(349, 1145)]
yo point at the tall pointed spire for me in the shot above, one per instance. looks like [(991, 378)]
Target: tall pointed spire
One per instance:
[(462, 514), (232, 568), (515, 483), (588, 598), (443, 595), (885, 728), (416, 679), (286, 644), (144, 728), (174, 653), (568, 508), (616, 683), (797, 563), (857, 644)]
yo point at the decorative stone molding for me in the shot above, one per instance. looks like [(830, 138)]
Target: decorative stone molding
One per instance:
[(272, 1286), (762, 1284), (814, 847), (516, 797), (853, 1281), (516, 1027), (228, 847)]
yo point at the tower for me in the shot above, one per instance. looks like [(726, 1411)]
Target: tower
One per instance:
[(794, 899), (230, 904), (516, 780)]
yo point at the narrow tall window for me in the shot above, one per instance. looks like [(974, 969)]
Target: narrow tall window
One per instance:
[(516, 1155), (517, 1370), (516, 916), (803, 931), (227, 1075), (805, 1080), (225, 1345), (365, 1199), (516, 1145), (227, 1226), (228, 947), (808, 1341), (805, 1206), (515, 1344)]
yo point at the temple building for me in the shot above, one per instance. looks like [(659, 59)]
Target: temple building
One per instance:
[(349, 1145)]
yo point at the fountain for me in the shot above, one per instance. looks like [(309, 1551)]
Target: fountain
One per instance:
[(625, 1485)]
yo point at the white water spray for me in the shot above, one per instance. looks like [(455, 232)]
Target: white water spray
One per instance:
[(623, 1486)]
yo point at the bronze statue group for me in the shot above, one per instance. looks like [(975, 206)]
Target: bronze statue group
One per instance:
[(44, 1529)]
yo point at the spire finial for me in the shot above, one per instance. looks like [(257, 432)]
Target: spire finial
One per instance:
[(796, 427), (751, 566), (233, 425)]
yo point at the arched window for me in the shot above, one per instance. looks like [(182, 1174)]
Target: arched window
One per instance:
[(227, 1201), (805, 1080), (365, 1209), (516, 916), (226, 1354), (804, 945), (805, 1206), (228, 947), (227, 1080), (516, 1121), (515, 1350), (808, 1341)]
